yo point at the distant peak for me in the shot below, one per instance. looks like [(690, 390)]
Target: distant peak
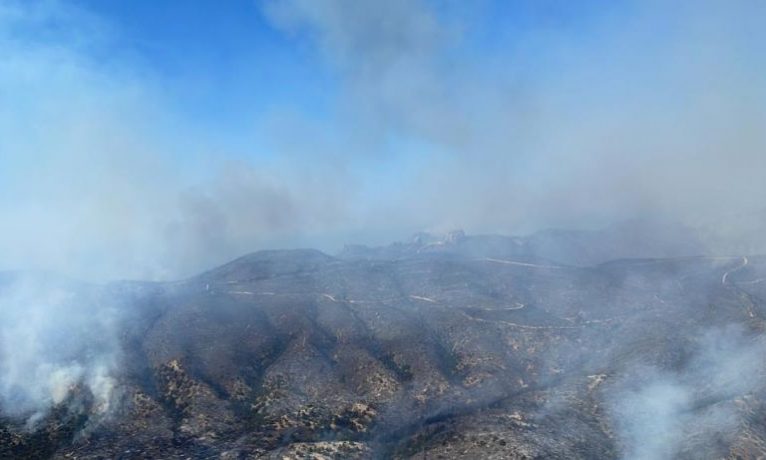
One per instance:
[(450, 237)]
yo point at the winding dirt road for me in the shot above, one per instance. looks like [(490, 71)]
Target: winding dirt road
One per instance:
[(742, 265)]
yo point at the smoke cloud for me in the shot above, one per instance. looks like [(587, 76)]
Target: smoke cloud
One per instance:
[(652, 111), (97, 181)]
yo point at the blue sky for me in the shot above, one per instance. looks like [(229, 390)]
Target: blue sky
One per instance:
[(232, 48), (153, 139), (221, 64), (224, 64)]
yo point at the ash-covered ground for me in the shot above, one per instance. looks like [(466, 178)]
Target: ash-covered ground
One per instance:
[(460, 347)]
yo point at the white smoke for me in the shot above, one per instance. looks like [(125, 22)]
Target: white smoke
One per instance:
[(52, 341), (657, 413)]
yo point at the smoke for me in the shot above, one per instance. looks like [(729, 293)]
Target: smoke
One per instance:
[(646, 110), (657, 412), (98, 184), (55, 338), (651, 110), (101, 176)]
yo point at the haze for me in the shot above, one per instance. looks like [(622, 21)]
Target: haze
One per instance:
[(154, 140)]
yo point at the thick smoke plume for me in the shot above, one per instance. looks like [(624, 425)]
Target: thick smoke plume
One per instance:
[(54, 338)]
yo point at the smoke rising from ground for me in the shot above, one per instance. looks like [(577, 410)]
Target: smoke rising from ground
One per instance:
[(53, 338), (655, 410)]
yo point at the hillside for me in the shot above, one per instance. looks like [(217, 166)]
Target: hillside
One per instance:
[(428, 354)]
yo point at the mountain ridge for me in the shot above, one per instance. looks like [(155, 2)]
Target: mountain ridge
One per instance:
[(298, 354)]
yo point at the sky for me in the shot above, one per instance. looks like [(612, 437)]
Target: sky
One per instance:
[(145, 139)]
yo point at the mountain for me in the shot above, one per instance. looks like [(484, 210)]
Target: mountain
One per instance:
[(454, 347), (632, 239)]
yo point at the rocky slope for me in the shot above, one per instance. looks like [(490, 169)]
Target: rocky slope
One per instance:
[(461, 353)]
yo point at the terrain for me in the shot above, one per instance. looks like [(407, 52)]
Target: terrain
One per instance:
[(454, 347)]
